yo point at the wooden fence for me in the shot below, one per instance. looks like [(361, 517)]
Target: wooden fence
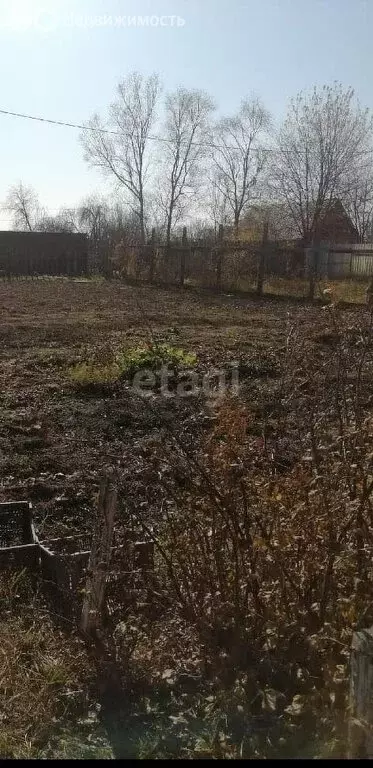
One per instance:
[(340, 262), (222, 265), (42, 253), (226, 265)]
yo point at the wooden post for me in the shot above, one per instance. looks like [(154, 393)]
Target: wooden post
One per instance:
[(152, 256), (144, 555), (360, 730), (104, 258), (183, 252), (9, 267), (99, 557), (220, 257), (313, 269), (262, 260)]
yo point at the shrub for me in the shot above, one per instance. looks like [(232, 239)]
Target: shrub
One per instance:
[(153, 357), (266, 547)]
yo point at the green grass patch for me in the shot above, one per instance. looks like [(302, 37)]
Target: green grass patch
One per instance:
[(153, 357), (127, 363)]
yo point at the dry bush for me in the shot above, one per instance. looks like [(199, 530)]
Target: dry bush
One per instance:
[(240, 268), (266, 546)]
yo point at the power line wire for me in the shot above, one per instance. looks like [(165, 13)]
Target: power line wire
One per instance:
[(96, 129), (117, 133), (55, 122)]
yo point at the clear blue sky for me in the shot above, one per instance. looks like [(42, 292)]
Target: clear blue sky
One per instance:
[(55, 64)]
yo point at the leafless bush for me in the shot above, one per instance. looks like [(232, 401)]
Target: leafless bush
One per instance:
[(265, 543)]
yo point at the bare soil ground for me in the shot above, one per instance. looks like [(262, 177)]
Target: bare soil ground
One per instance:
[(55, 441), (56, 438)]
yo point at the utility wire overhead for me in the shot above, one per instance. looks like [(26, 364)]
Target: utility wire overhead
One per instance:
[(82, 127), (116, 133)]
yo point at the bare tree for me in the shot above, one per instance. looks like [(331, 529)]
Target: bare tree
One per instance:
[(322, 148), (272, 214), (120, 147), (217, 208), (123, 224), (358, 203), (93, 215), (201, 230), (63, 221), (187, 124), (238, 157), (23, 204)]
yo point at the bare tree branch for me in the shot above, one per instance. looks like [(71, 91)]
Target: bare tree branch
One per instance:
[(187, 124), (322, 152), (22, 202), (358, 203), (239, 162), (124, 155)]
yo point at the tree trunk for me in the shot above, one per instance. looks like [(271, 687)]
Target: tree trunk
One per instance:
[(168, 230), (142, 221), (236, 224), (169, 220)]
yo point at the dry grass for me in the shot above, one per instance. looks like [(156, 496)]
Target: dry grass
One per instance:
[(349, 291), (43, 673)]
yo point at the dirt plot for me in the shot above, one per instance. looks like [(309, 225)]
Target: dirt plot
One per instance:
[(273, 477), (55, 442)]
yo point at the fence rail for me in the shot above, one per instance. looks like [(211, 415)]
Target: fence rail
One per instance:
[(220, 265), (233, 265)]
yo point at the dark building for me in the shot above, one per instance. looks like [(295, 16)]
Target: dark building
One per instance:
[(43, 253), (335, 226)]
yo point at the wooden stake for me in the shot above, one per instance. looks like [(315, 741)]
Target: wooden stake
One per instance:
[(360, 731), (152, 256), (262, 260), (219, 264), (183, 253), (99, 558)]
